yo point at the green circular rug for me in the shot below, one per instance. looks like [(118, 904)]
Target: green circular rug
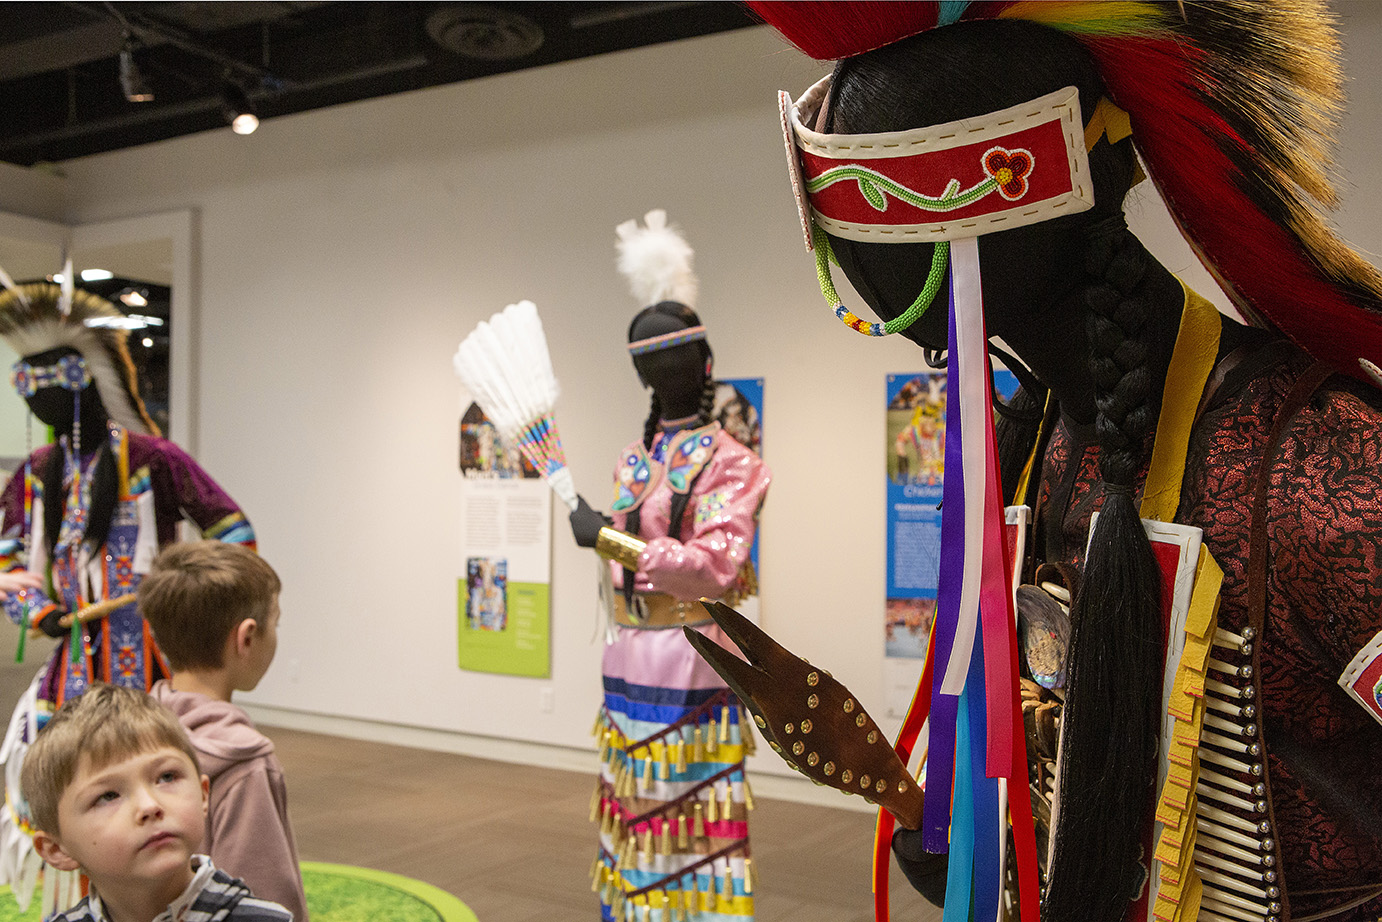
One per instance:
[(339, 893), (342, 893)]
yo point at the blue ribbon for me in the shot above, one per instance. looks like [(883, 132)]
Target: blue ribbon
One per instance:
[(972, 881), (961, 871), (988, 846)]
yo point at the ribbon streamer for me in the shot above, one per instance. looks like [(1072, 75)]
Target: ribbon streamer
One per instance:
[(977, 752), (971, 361), (989, 845), (960, 872), (944, 707)]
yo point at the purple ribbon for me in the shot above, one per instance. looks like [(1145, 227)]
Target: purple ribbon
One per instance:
[(940, 759)]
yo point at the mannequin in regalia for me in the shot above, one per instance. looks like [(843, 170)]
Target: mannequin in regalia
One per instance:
[(1230, 110), (88, 513), (672, 800)]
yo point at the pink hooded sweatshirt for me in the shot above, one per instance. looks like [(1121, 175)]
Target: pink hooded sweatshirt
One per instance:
[(248, 834)]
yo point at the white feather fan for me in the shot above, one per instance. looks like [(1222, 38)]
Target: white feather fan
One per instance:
[(505, 364)]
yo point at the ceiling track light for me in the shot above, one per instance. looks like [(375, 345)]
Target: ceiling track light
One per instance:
[(132, 82), (237, 108)]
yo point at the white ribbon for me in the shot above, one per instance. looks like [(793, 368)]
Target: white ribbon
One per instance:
[(969, 385)]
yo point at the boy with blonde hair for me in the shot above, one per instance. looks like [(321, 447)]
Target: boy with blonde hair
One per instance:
[(213, 608), (114, 790)]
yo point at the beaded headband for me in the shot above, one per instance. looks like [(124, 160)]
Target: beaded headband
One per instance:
[(667, 340), (959, 180), (966, 178), (70, 373)]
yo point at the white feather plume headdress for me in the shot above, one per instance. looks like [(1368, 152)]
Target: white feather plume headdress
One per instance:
[(656, 260)]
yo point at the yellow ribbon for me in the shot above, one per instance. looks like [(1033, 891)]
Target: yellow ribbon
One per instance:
[(1192, 359), (1109, 120)]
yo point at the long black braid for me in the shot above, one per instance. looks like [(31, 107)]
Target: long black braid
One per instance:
[(707, 401), (1110, 723), (634, 520), (650, 425)]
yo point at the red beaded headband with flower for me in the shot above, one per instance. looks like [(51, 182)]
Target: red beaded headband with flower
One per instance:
[(956, 181), (962, 179)]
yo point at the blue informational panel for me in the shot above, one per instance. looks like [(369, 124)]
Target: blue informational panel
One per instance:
[(739, 408), (916, 471)]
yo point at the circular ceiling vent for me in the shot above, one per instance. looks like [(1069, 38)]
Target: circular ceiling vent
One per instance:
[(483, 31)]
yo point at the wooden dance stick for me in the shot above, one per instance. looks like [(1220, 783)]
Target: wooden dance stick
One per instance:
[(92, 612)]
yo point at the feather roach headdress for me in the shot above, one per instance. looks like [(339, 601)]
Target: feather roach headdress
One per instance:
[(1232, 104), (656, 260), (33, 319)]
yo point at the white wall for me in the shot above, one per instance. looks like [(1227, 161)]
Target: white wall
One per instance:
[(345, 253), (33, 193)]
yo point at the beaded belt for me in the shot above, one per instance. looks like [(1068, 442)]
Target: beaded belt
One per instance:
[(658, 610)]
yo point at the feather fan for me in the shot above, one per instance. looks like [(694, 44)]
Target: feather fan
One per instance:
[(505, 364)]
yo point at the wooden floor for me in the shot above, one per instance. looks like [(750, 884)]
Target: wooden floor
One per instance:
[(514, 842)]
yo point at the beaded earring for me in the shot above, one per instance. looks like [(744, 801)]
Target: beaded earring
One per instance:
[(75, 643), (25, 541)]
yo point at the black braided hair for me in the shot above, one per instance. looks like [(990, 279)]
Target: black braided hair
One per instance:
[(633, 521), (54, 496), (651, 423), (707, 401), (104, 494), (1111, 719)]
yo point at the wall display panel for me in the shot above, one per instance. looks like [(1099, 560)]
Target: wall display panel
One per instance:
[(915, 467), (503, 607), (739, 409)]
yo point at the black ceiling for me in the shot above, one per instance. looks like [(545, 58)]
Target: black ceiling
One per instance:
[(61, 94)]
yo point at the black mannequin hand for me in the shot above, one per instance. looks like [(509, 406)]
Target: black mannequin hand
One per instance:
[(925, 872), (51, 623), (587, 522)]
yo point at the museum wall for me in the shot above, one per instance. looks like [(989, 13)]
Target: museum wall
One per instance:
[(37, 192), (345, 252)]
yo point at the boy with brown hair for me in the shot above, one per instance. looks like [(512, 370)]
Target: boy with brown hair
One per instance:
[(213, 608), (114, 789)]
